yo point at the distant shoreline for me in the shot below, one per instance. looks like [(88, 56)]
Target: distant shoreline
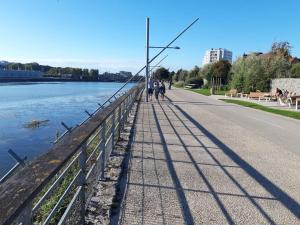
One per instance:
[(11, 80)]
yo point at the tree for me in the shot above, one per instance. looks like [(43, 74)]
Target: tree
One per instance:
[(176, 75), (183, 75), (238, 70), (194, 72), (220, 70), (253, 72), (277, 66), (161, 74), (282, 48), (295, 71), (206, 73), (85, 74), (94, 74)]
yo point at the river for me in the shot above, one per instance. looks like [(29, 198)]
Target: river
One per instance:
[(52, 102)]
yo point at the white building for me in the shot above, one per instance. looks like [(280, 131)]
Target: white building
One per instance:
[(216, 54)]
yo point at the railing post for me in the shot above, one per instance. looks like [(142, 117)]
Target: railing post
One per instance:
[(122, 114), (113, 130), (82, 182), (119, 120), (127, 109), (103, 148)]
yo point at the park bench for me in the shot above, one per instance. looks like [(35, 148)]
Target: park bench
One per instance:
[(265, 96), (231, 93), (242, 95), (255, 95), (293, 100)]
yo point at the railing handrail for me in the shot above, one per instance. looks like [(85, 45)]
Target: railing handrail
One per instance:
[(130, 79), (20, 189)]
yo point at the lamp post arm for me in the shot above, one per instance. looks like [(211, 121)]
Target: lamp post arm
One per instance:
[(158, 63), (182, 32)]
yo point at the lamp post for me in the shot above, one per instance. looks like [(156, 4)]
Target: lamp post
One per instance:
[(161, 51), (147, 57)]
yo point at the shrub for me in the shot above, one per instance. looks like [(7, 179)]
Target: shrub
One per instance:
[(179, 84), (255, 72), (295, 71), (195, 80)]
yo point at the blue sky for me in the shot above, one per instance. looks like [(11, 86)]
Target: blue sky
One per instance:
[(110, 34)]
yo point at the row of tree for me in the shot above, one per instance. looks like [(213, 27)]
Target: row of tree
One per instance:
[(216, 74), (58, 72), (248, 73), (74, 73), (26, 66), (255, 71)]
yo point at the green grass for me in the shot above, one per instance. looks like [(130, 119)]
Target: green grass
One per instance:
[(207, 92), (201, 91), (291, 114)]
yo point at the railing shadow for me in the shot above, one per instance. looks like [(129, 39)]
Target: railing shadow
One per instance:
[(270, 187), (186, 212), (199, 171), (125, 172)]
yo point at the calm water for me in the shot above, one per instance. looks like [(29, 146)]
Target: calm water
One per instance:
[(21, 103)]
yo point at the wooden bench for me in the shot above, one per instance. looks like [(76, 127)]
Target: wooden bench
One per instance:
[(242, 95), (231, 93), (255, 95), (265, 96), (294, 100)]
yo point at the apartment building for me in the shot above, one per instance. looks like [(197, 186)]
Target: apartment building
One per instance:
[(216, 54)]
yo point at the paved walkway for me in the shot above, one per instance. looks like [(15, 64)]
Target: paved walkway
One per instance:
[(195, 162)]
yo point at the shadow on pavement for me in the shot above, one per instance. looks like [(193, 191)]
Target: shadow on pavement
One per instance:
[(186, 212), (274, 190)]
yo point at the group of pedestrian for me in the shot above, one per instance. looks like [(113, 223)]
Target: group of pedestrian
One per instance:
[(157, 88)]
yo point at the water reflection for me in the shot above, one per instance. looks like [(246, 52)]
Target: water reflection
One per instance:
[(21, 103)]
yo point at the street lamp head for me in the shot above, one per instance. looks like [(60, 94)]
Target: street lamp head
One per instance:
[(175, 47)]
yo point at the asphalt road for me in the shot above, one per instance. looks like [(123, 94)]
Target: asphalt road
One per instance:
[(197, 160)]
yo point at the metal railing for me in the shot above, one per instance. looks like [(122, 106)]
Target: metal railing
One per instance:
[(21, 162), (56, 187)]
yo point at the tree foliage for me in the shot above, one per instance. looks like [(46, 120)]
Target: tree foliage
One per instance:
[(161, 74), (255, 72), (282, 48), (295, 71), (221, 70)]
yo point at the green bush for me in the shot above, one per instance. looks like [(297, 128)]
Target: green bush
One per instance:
[(195, 80), (254, 72), (295, 71), (179, 84)]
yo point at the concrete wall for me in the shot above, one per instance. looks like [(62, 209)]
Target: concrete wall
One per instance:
[(290, 84), (20, 74)]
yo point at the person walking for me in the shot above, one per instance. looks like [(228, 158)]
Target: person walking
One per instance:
[(150, 87), (156, 90), (170, 82), (162, 90)]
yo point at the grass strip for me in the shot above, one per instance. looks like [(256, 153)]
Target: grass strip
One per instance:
[(286, 113), (207, 92)]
